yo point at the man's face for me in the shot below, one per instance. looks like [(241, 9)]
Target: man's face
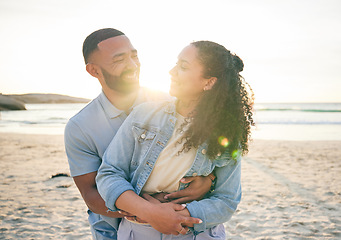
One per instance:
[(119, 64)]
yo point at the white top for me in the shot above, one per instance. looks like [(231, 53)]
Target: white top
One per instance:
[(172, 163)]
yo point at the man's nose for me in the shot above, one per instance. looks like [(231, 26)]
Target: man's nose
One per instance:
[(133, 63)]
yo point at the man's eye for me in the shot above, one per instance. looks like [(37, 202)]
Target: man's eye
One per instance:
[(118, 60)]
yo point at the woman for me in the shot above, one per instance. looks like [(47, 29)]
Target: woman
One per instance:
[(205, 130)]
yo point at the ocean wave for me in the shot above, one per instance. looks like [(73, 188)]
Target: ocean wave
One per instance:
[(300, 110), (299, 122), (299, 107), (25, 122), (58, 118)]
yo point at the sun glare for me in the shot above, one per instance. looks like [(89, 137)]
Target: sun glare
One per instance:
[(155, 79)]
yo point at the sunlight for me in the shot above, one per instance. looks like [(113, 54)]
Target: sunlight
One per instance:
[(154, 83), (156, 78)]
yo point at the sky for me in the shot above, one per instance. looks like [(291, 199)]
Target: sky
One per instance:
[(291, 48)]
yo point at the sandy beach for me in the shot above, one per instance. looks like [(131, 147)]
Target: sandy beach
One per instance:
[(291, 190)]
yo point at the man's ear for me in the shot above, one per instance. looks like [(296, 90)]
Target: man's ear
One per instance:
[(210, 82), (93, 70)]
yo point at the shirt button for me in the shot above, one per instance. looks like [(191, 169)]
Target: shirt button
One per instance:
[(203, 151), (143, 136), (194, 174)]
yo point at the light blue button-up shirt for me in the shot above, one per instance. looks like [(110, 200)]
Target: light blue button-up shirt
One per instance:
[(131, 156), (88, 134)]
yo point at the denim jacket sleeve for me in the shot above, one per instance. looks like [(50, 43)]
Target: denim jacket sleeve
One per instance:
[(218, 207), (113, 177)]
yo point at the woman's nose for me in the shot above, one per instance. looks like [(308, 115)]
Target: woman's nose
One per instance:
[(172, 71)]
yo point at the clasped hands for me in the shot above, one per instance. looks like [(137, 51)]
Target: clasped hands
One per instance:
[(170, 214)]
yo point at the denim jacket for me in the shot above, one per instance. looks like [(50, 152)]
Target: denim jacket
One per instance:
[(130, 158)]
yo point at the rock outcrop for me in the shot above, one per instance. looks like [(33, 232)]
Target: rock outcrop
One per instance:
[(9, 103), (47, 98), (18, 101)]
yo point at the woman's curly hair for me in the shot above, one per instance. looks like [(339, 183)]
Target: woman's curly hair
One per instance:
[(223, 116)]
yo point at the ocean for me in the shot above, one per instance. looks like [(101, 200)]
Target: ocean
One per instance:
[(298, 121), (276, 121)]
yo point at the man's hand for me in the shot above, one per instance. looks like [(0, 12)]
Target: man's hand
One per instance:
[(131, 217), (196, 190)]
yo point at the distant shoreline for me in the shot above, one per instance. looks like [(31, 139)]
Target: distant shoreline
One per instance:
[(47, 98), (18, 101)]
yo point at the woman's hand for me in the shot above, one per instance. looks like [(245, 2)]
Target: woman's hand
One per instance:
[(166, 217), (186, 213), (181, 210), (163, 217)]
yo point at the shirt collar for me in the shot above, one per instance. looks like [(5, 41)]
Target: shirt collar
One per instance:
[(114, 112), (108, 107)]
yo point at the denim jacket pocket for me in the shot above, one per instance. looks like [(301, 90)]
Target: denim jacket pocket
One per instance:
[(218, 162), (222, 161), (144, 137)]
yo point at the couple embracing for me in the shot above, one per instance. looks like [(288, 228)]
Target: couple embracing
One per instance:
[(152, 166)]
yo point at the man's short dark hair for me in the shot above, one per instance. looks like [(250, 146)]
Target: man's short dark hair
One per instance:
[(91, 42)]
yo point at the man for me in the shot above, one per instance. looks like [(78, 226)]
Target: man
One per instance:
[(110, 57)]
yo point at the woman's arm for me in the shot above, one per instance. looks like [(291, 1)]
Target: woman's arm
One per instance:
[(113, 182), (113, 175), (219, 205)]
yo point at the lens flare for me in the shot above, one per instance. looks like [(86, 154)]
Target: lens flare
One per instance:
[(235, 154), (223, 141)]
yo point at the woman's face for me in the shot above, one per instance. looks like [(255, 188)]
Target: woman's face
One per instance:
[(187, 82)]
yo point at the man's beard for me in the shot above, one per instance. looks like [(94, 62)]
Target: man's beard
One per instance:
[(118, 84)]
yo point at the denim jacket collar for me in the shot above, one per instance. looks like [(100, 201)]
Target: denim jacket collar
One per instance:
[(170, 107)]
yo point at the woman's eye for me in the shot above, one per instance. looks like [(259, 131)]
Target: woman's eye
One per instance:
[(181, 66)]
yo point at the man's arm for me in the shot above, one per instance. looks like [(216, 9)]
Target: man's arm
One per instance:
[(82, 158), (86, 184)]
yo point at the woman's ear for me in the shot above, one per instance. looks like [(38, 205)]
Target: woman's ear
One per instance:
[(93, 70), (210, 82)]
